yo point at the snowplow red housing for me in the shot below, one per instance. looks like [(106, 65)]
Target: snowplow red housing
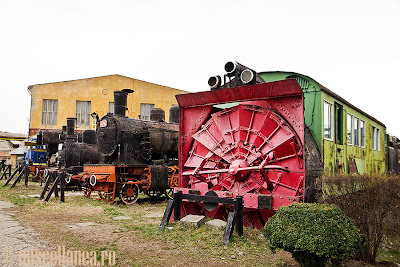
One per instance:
[(246, 141)]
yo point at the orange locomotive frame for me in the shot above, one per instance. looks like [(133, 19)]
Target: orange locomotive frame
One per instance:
[(123, 181)]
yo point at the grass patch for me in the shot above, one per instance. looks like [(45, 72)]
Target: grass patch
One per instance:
[(391, 255), (137, 241)]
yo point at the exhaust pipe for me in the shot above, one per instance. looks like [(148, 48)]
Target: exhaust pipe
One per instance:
[(233, 68), (248, 76), (214, 82), (236, 75)]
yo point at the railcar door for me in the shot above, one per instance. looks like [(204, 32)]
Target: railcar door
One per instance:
[(339, 147)]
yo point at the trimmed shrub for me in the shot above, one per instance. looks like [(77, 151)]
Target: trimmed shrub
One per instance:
[(313, 233)]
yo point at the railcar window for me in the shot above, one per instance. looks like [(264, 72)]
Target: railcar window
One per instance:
[(83, 113), (49, 111), (356, 132), (145, 111), (328, 120), (362, 133), (349, 129), (375, 139)]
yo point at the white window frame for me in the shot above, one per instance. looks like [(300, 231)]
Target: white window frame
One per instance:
[(376, 139), (83, 117), (350, 140), (145, 109), (49, 111), (362, 133), (330, 105), (356, 136)]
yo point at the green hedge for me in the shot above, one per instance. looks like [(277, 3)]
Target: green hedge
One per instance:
[(313, 233)]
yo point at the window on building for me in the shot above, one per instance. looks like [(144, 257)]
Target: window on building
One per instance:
[(349, 129), (49, 111), (145, 111), (376, 139), (356, 131), (328, 120), (362, 133), (111, 107), (83, 113)]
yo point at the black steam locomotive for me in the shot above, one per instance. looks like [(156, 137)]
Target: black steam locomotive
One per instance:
[(137, 155)]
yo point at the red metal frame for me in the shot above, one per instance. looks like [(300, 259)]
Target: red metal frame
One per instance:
[(254, 148)]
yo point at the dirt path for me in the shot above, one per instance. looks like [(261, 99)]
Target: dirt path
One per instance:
[(15, 239)]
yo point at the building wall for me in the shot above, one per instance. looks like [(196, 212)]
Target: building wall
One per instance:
[(99, 91)]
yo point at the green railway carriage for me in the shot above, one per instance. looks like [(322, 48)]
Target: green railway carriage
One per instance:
[(349, 140)]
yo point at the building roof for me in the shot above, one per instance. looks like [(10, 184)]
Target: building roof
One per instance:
[(4, 154), (5, 146), (31, 86), (18, 151), (331, 93), (7, 135)]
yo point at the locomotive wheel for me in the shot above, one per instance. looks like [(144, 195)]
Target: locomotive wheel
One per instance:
[(102, 195), (68, 178), (86, 191), (154, 194), (169, 193), (129, 193)]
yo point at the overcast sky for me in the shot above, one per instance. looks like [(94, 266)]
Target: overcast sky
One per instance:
[(352, 47)]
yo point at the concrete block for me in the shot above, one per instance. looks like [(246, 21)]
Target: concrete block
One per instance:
[(154, 215), (193, 220), (216, 223), (120, 218), (86, 224)]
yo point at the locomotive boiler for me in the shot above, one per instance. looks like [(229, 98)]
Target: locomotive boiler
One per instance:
[(139, 156), (77, 149), (130, 141), (245, 138)]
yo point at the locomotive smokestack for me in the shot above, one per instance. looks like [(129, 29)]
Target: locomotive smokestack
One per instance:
[(39, 138), (120, 102), (71, 127)]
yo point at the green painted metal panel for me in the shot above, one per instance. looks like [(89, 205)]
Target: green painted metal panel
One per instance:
[(336, 152), (361, 166)]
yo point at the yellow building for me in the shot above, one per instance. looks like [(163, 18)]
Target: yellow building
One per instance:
[(53, 103)]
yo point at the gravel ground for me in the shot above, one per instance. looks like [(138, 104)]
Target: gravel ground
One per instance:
[(15, 239)]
